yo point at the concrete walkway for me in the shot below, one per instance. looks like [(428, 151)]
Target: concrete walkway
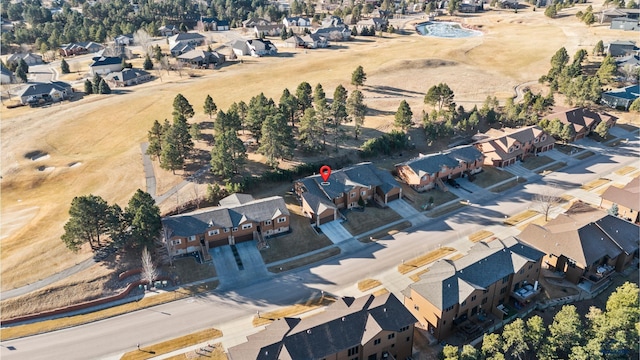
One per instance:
[(335, 232), (149, 174)]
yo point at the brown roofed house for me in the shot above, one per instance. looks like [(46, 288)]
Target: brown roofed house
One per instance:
[(627, 199), (503, 147), (585, 245), (584, 121), (369, 327)]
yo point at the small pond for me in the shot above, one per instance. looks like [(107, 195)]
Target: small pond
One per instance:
[(443, 29)]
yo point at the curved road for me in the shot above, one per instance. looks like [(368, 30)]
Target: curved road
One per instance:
[(112, 337)]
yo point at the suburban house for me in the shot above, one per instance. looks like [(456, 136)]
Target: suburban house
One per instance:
[(120, 51), (583, 120), (127, 77), (296, 21), (104, 65), (454, 295), (621, 98), (620, 48), (181, 48), (610, 14), (123, 40), (503, 147), (51, 92), (79, 48), (338, 33), (295, 41), (193, 39), (268, 30), (364, 328), (627, 199), (252, 22), (625, 23), (426, 171), (168, 30), (344, 189), (311, 41), (6, 76), (29, 58), (377, 22), (201, 58), (254, 47), (238, 218), (332, 21), (585, 245), (213, 24)]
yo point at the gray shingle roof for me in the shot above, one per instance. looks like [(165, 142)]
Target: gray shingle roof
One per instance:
[(108, 60), (432, 163), (228, 216), (346, 323), (45, 88), (450, 282)]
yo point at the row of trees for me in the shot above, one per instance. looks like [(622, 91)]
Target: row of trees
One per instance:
[(609, 334), (97, 86), (92, 219)]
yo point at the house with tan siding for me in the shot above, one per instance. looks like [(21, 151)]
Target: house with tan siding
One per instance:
[(583, 120), (422, 173), (321, 201), (503, 147), (585, 245), (491, 275), (238, 218), (365, 328), (627, 199)]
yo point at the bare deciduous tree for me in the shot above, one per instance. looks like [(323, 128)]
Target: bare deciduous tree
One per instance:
[(143, 39), (149, 269), (544, 202)]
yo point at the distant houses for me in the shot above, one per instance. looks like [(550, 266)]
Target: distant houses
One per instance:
[(428, 171), (625, 23), (620, 48), (201, 58), (503, 147), (104, 65), (214, 24), (621, 98), (253, 47), (79, 48), (127, 77), (54, 91), (29, 58)]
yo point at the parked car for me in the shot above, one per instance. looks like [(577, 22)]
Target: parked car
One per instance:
[(453, 183)]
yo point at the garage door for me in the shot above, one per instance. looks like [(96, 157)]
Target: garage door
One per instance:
[(326, 219), (395, 196)]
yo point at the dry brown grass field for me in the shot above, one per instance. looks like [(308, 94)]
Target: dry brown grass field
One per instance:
[(103, 133)]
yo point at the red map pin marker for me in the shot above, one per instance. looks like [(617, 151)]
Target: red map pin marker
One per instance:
[(325, 172)]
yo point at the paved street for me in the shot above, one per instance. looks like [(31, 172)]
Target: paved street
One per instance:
[(231, 307)]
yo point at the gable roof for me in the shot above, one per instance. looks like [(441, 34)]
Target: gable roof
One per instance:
[(186, 37), (229, 215), (584, 236), (45, 88), (105, 60), (451, 282), (126, 74), (630, 92), (495, 143), (628, 196), (346, 323), (432, 163), (581, 118)]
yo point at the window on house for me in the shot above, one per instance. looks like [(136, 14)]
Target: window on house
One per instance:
[(464, 303), (408, 338), (235, 229), (416, 307), (373, 357), (505, 279), (503, 290), (571, 263), (543, 138), (363, 193), (536, 140), (521, 271), (176, 242), (226, 230), (449, 308), (485, 291), (282, 219), (267, 222), (353, 194), (473, 298), (511, 149), (352, 351), (517, 146), (192, 238), (404, 328), (444, 322), (484, 301), (376, 341), (391, 336), (530, 266), (214, 232), (246, 226)]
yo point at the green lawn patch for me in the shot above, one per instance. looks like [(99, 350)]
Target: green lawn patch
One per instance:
[(369, 219), (301, 240), (536, 162), (491, 176), (420, 199), (305, 260), (147, 352)]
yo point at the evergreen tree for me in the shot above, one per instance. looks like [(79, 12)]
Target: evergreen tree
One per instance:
[(607, 69), (551, 11), (514, 335), (144, 218), (323, 112), (599, 48), (310, 131), (170, 157), (87, 222), (277, 139), (104, 88), (602, 129), (613, 210), (358, 77), (491, 344), (194, 132), (21, 75), (64, 67), (180, 131), (565, 332), (304, 97), (157, 53), (635, 105), (209, 106), (404, 115), (227, 155), (181, 107), (356, 110), (148, 64), (88, 87), (567, 133), (258, 110), (288, 106), (469, 353), (96, 83), (155, 139), (440, 96)]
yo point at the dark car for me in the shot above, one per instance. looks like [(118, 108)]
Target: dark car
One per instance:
[(453, 183)]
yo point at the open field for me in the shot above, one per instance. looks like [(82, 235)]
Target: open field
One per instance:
[(147, 352), (93, 144)]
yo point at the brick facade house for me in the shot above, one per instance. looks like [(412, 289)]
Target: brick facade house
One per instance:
[(239, 218), (583, 120), (503, 147)]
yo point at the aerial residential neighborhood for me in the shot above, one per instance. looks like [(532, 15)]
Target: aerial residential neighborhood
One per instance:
[(320, 180)]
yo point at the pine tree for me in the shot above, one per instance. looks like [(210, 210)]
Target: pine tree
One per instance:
[(181, 107), (323, 112), (227, 155), (64, 67), (277, 139), (210, 107), (599, 48), (144, 215), (148, 64), (180, 131), (96, 83), (356, 110), (602, 129), (104, 88), (404, 115), (88, 87), (155, 139), (339, 113), (358, 77), (607, 69), (304, 97), (310, 131), (288, 106), (170, 157), (258, 110), (21, 75)]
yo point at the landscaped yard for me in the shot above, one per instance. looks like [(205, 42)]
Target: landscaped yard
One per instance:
[(446, 209), (536, 162), (552, 168), (188, 270), (369, 219), (147, 352), (566, 149), (508, 185), (425, 259), (491, 176), (293, 310), (305, 260), (301, 240), (420, 199)]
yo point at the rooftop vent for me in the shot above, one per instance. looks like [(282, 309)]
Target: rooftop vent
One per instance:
[(384, 309), (309, 331), (343, 318)]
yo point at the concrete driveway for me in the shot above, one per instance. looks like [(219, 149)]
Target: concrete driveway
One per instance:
[(335, 232), (407, 211), (228, 271)]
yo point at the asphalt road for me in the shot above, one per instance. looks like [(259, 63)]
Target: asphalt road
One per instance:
[(111, 337)]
